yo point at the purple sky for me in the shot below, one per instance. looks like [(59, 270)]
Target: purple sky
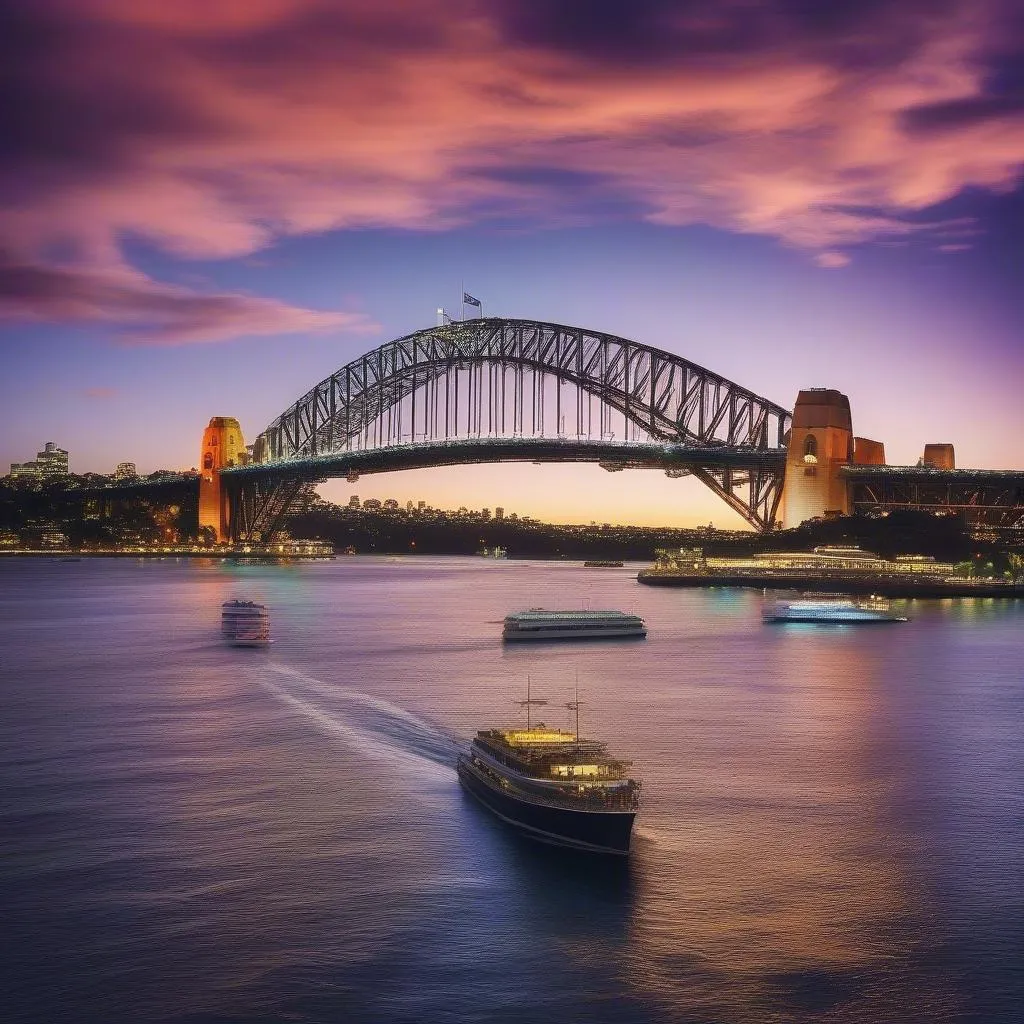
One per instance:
[(206, 208)]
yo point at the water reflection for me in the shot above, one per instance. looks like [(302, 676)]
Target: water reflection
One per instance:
[(830, 826)]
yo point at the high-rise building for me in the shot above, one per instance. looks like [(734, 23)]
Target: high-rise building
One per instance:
[(353, 501), (50, 462), (499, 512), (125, 471)]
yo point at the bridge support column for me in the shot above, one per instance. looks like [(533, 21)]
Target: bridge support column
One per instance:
[(223, 446), (820, 442)]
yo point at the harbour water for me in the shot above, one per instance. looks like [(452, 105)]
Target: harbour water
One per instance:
[(831, 824)]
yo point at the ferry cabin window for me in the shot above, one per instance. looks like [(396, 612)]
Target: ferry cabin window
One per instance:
[(569, 771)]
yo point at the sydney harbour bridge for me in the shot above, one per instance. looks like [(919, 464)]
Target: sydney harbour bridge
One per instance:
[(502, 390)]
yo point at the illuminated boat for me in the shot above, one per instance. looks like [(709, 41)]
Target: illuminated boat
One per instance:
[(540, 624), (553, 786), (245, 624), (495, 552), (828, 608)]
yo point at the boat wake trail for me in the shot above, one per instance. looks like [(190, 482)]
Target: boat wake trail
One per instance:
[(377, 728)]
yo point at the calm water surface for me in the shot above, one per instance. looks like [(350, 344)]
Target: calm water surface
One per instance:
[(831, 827)]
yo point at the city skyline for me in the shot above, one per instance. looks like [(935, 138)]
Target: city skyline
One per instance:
[(789, 199)]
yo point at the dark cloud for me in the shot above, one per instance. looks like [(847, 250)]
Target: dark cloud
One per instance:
[(961, 113), (851, 33), (77, 98)]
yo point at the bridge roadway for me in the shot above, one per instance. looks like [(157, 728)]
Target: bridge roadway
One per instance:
[(469, 451)]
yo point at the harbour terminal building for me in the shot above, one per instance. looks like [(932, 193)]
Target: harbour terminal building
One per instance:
[(827, 561)]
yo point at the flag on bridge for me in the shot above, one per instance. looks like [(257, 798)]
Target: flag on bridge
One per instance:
[(468, 300)]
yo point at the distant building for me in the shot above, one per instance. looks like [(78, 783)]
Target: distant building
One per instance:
[(50, 462), (353, 501), (372, 504), (391, 505), (125, 471), (499, 512)]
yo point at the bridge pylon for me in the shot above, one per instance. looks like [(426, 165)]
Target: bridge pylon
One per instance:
[(223, 446), (820, 443)]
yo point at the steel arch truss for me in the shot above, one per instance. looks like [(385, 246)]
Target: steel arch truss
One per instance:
[(494, 378)]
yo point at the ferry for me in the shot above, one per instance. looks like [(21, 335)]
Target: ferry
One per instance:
[(541, 624), (553, 785), (828, 608), (495, 552), (245, 624)]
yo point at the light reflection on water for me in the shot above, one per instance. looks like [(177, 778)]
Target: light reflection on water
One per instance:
[(830, 829)]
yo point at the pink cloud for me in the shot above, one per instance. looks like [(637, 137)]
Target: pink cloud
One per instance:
[(213, 130), (142, 311)]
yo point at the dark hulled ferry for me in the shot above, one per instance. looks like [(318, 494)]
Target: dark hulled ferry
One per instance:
[(553, 785)]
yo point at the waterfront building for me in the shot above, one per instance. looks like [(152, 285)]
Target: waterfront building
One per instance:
[(825, 560), (125, 471)]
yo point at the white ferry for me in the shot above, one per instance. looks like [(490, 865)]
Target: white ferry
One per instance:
[(540, 624), (245, 624), (830, 608)]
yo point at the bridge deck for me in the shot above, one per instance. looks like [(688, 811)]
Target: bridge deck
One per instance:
[(620, 454)]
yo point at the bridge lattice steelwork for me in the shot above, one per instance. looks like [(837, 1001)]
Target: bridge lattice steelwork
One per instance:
[(499, 389), (982, 497)]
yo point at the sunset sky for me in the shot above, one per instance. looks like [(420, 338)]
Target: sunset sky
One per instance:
[(207, 207)]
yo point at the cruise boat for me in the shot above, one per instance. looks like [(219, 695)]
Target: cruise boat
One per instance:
[(541, 624), (552, 785), (602, 563), (829, 608), (245, 623)]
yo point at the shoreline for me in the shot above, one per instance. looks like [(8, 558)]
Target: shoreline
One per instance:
[(887, 587)]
